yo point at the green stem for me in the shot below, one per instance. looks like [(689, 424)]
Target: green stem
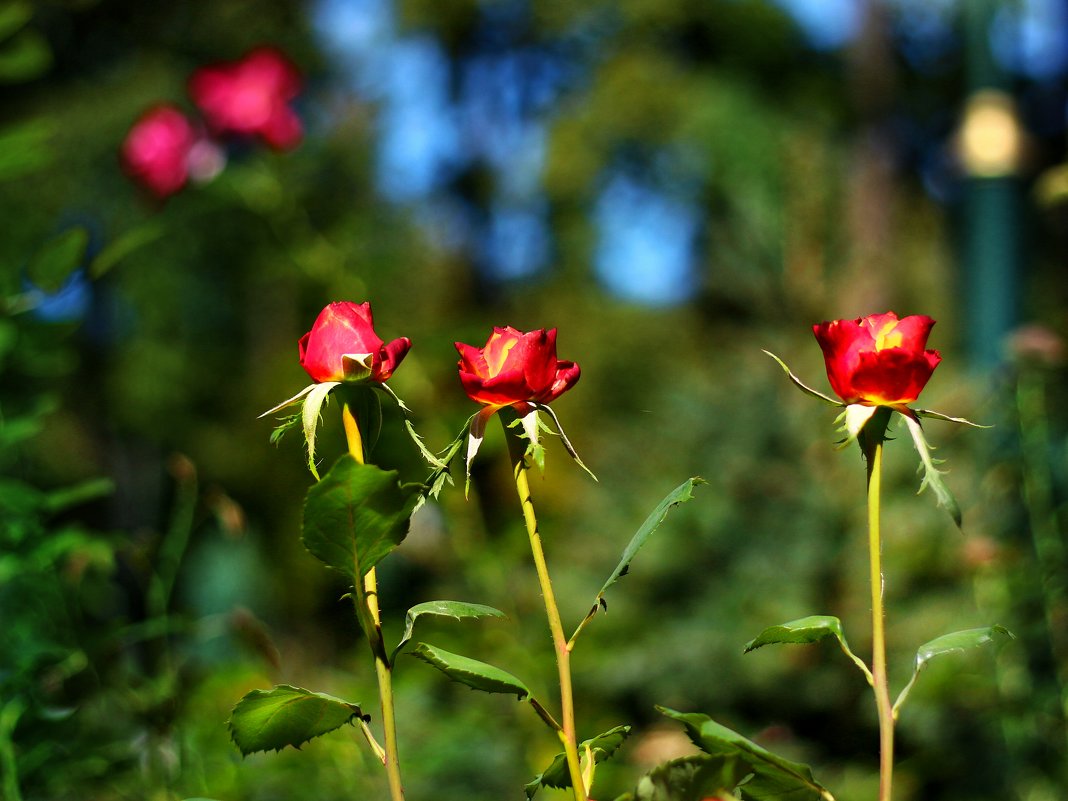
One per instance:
[(9, 766), (517, 449), (880, 684), (367, 612)]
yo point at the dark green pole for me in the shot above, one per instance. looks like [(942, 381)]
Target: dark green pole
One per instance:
[(990, 145)]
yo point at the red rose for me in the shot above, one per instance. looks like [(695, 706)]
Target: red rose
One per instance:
[(343, 345), (250, 97), (156, 151), (878, 360), (515, 367)]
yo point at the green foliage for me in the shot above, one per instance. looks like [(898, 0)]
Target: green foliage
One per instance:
[(601, 747), (266, 720), (955, 642), (681, 494), (772, 776), (355, 516), (457, 610), (475, 674), (695, 778), (24, 148), (807, 630), (52, 265), (125, 245), (24, 52)]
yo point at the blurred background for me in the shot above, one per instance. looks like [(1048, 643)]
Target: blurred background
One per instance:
[(675, 185)]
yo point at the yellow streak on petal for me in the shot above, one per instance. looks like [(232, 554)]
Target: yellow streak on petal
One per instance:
[(501, 357), (888, 337)]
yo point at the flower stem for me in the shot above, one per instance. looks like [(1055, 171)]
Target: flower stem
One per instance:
[(371, 621), (874, 453), (517, 450)]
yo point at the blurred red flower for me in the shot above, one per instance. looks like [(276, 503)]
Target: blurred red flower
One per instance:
[(156, 151), (514, 368), (250, 97), (878, 360), (343, 346)]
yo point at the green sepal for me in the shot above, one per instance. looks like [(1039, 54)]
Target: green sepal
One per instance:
[(532, 425), (804, 631), (458, 610), (557, 775), (955, 642), (476, 431), (802, 385), (932, 476), (852, 421), (774, 778), (475, 674), (356, 515), (266, 720), (563, 437), (311, 398), (946, 418)]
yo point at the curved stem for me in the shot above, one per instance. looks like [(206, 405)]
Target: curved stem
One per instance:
[(879, 678), (517, 449), (371, 621)]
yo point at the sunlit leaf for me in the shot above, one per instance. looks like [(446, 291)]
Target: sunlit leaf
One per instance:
[(681, 494), (266, 720), (603, 746), (475, 674), (356, 515), (457, 610), (52, 265), (955, 642), (774, 778), (804, 631)]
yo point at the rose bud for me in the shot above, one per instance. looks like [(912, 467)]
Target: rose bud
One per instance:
[(343, 346), (878, 360), (250, 97), (515, 368), (156, 151)]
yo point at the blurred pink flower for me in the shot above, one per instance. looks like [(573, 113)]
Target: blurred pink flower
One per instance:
[(156, 151), (250, 97)]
